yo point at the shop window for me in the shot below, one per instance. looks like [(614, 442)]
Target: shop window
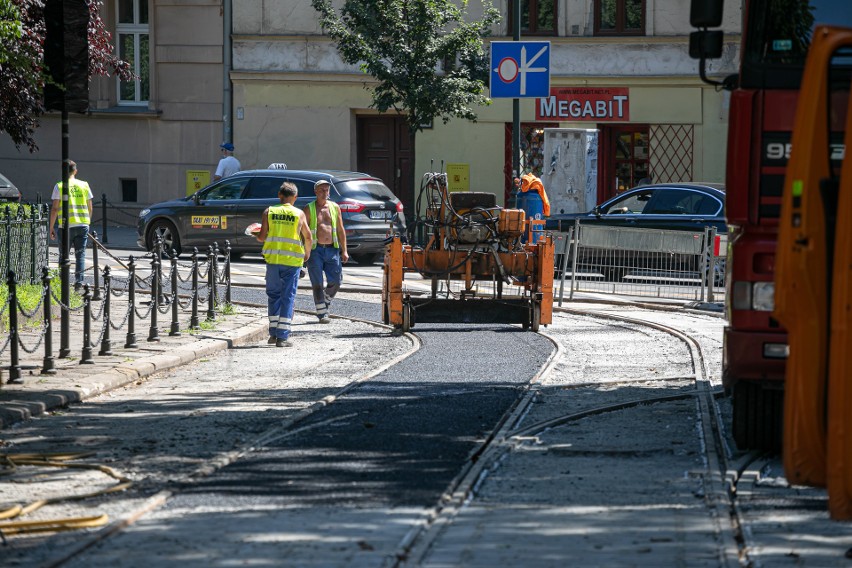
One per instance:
[(532, 152), (131, 34), (619, 17), (128, 190), (631, 158), (538, 17)]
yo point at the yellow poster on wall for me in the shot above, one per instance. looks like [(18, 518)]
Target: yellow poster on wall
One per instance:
[(196, 179), (458, 177)]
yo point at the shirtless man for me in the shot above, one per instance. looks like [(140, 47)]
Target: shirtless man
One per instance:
[(329, 248)]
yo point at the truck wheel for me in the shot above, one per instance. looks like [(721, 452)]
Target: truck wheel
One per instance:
[(758, 414)]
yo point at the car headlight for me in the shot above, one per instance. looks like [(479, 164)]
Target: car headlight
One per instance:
[(144, 212)]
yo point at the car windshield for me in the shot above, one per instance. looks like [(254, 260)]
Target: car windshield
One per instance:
[(629, 204), (231, 189), (682, 202), (364, 189)]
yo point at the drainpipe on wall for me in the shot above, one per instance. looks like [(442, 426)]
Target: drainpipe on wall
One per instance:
[(227, 118)]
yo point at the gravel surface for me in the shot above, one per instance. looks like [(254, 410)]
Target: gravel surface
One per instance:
[(619, 488)]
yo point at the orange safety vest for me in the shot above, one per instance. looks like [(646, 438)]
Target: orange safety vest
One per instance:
[(531, 183)]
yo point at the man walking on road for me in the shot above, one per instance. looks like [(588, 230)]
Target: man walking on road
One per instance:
[(329, 238), (79, 217), (280, 229), (228, 165)]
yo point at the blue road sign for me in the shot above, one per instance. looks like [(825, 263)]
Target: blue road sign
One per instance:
[(520, 69)]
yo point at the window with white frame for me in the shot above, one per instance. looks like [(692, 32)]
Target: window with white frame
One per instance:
[(132, 46)]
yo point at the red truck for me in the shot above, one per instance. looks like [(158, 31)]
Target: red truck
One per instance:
[(775, 40)]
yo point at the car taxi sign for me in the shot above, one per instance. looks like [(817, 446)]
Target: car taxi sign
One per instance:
[(520, 69), (277, 166)]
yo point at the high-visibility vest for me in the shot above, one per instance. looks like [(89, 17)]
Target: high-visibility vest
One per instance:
[(333, 210), (282, 244), (78, 202)]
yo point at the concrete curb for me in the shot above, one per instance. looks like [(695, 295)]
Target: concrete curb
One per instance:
[(29, 405)]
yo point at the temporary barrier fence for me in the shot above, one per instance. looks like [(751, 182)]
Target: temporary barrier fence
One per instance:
[(672, 264)]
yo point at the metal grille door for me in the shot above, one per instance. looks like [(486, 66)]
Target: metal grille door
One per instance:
[(671, 152)]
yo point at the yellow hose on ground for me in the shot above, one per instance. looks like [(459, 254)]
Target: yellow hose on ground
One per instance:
[(53, 525), (12, 461)]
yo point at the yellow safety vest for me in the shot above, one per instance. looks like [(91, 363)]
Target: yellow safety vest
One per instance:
[(78, 203), (333, 211), (282, 244)]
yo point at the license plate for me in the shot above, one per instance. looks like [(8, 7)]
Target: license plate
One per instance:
[(380, 214)]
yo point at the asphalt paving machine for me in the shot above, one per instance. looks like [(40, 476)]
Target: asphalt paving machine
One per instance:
[(484, 262)]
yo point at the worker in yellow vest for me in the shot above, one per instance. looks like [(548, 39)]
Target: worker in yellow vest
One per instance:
[(329, 253), (79, 218), (285, 252)]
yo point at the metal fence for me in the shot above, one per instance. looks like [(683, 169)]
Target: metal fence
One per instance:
[(24, 240), (683, 265)]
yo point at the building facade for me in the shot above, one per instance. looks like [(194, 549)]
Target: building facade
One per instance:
[(297, 102), (276, 86), (140, 138)]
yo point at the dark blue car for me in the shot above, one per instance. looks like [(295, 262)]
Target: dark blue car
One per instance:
[(679, 206), (222, 211)]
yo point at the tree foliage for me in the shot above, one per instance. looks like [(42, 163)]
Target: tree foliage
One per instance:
[(22, 73), (428, 61)]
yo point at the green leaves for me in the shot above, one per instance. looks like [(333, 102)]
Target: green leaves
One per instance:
[(428, 61)]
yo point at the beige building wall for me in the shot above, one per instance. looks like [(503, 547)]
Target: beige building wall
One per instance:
[(179, 129)]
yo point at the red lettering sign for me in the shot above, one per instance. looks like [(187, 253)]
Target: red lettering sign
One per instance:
[(580, 104)]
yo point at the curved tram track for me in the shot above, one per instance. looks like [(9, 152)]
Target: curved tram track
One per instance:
[(501, 407), (512, 435)]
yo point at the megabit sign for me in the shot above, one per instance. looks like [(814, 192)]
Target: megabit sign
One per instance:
[(584, 104)]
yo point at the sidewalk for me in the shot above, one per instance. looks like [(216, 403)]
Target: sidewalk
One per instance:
[(73, 382)]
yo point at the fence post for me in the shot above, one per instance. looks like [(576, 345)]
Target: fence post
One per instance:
[(47, 365), (104, 218), (14, 365), (130, 340), (211, 289), (33, 211), (711, 273), (96, 294), (215, 272), (106, 344), (227, 273), (193, 320), (575, 246), (153, 332), (174, 330), (566, 250), (8, 221), (86, 358)]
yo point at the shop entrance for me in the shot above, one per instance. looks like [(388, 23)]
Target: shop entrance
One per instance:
[(624, 158)]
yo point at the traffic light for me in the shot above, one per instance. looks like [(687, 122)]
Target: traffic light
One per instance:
[(66, 55)]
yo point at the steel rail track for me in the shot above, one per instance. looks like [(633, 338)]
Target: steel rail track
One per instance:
[(286, 428), (719, 480)]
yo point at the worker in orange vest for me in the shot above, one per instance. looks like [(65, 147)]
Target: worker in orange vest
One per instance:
[(529, 182)]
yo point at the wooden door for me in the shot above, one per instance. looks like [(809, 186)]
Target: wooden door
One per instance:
[(386, 151)]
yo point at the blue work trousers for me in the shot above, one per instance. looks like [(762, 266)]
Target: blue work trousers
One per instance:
[(324, 261), (281, 284), (79, 239)]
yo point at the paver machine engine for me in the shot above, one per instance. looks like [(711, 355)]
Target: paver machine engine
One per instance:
[(474, 250)]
